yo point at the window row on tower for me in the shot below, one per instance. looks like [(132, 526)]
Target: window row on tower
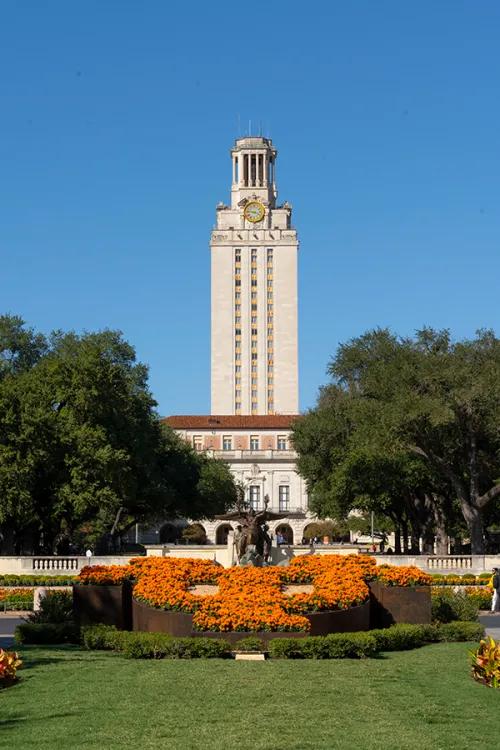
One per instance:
[(254, 331)]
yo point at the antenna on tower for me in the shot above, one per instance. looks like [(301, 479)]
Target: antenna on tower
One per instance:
[(260, 128), (249, 127)]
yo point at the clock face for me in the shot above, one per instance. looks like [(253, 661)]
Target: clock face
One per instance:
[(254, 211)]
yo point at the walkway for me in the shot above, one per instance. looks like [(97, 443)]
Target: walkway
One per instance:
[(492, 624), (8, 624)]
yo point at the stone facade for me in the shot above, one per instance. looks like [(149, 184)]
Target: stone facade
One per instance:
[(254, 313), (262, 459)]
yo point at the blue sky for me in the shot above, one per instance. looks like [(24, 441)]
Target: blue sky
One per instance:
[(116, 121)]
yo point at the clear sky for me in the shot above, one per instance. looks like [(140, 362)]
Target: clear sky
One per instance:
[(116, 120)]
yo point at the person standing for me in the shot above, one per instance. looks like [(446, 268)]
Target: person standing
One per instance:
[(495, 602)]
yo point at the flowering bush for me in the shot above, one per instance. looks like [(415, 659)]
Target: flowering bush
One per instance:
[(105, 575), (9, 664)]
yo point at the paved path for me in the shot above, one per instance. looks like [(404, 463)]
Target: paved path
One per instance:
[(8, 623), (492, 624)]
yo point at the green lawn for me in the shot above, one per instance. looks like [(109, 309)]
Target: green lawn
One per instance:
[(74, 700)]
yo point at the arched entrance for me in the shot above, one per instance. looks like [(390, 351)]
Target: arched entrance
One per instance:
[(169, 533), (285, 532), (194, 534), (222, 533)]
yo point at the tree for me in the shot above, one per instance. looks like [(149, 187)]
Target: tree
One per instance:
[(436, 398), (81, 445)]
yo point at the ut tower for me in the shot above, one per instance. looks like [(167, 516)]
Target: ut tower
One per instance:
[(254, 315)]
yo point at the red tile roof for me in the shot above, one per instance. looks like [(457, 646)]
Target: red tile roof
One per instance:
[(215, 422)]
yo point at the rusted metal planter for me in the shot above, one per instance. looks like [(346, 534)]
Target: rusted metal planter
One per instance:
[(393, 604), (150, 620), (106, 605)]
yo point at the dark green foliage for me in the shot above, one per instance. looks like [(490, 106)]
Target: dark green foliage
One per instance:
[(83, 454), (47, 633), (250, 644), (333, 646), (151, 645), (403, 637), (163, 646), (56, 607), (447, 606), (460, 631)]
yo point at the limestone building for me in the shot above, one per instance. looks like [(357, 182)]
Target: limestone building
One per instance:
[(254, 320), (254, 350)]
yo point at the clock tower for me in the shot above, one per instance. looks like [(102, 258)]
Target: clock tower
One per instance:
[(254, 320)]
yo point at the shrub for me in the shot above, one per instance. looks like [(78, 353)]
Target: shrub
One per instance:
[(151, 645), (460, 631), (9, 664), (287, 648), (485, 663), (163, 646), (447, 606), (468, 577), (47, 633), (481, 597), (402, 637), (31, 579), (56, 607), (487, 576), (103, 638), (333, 646), (250, 644)]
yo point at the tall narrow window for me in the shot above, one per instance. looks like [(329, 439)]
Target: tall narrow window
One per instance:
[(254, 443), (282, 443), (255, 497), (284, 498)]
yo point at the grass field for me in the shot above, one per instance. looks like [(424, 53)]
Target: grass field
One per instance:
[(70, 699)]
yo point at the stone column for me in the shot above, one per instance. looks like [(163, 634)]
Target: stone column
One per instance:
[(234, 169)]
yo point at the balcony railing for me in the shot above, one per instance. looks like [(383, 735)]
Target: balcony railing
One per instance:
[(259, 455)]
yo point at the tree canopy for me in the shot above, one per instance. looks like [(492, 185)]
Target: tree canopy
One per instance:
[(410, 426), (81, 444)]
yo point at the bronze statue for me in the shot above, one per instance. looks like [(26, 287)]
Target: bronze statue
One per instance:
[(252, 530)]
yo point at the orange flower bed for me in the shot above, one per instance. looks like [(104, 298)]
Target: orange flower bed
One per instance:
[(252, 599), (10, 593), (105, 575), (391, 575)]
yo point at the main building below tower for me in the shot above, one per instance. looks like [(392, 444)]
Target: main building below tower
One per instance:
[(254, 291)]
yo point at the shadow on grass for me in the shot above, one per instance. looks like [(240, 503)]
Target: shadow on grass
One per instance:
[(15, 720)]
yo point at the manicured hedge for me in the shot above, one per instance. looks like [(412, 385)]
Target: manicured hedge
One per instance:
[(36, 580), (47, 633), (334, 646), (152, 645)]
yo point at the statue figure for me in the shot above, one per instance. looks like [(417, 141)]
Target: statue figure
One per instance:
[(252, 529)]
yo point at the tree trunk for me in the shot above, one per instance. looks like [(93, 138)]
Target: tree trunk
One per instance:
[(428, 543), (415, 531), (474, 521), (397, 539), (442, 539)]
